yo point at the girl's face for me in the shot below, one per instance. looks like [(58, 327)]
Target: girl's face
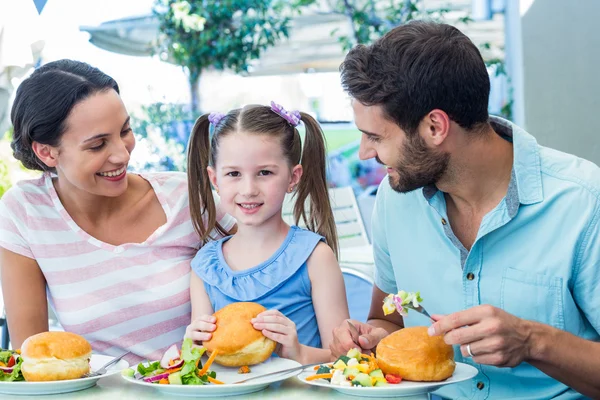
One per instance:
[(252, 177), (94, 151)]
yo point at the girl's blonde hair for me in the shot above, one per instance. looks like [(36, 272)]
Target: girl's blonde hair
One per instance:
[(315, 213)]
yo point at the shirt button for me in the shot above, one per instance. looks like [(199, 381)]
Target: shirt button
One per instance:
[(471, 276), (444, 221), (118, 250), (480, 385)]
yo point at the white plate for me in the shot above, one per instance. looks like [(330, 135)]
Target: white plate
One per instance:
[(71, 385), (462, 372), (229, 375)]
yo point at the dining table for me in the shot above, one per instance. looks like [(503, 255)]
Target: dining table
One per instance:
[(115, 387)]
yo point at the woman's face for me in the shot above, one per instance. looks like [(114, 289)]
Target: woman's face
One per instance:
[(94, 151)]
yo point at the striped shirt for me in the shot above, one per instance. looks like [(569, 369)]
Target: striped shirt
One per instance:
[(134, 296)]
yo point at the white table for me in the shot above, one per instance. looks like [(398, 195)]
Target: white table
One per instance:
[(114, 387)]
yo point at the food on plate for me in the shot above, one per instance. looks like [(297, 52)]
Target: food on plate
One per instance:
[(55, 356), (244, 369), (401, 302), (177, 367), (10, 366), (354, 369), (415, 356), (236, 340)]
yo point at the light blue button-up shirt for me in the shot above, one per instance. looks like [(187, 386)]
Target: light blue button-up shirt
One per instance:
[(536, 255)]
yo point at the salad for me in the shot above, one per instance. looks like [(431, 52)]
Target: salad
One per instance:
[(401, 302), (177, 367), (10, 366), (354, 369)]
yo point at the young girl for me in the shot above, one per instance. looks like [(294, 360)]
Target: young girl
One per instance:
[(254, 158)]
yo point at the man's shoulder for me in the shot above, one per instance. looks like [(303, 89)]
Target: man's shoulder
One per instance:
[(570, 172)]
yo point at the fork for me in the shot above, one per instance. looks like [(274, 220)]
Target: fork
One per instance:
[(421, 310), (283, 371), (102, 370)]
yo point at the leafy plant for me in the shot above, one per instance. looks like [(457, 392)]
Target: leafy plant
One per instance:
[(162, 131), (228, 34)]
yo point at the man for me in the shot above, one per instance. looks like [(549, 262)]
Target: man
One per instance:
[(500, 235)]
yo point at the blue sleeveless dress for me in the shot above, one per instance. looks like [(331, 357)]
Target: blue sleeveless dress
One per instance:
[(280, 283)]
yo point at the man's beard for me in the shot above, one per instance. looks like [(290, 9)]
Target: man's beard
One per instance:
[(419, 167)]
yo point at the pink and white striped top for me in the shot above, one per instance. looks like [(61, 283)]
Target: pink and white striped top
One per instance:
[(134, 296)]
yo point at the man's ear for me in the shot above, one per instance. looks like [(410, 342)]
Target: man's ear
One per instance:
[(46, 153), (436, 127)]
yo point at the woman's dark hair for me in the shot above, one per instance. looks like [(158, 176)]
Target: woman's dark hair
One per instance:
[(312, 204), (45, 100), (416, 68)]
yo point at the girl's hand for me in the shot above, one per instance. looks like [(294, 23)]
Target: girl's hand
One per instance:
[(200, 329), (277, 327)]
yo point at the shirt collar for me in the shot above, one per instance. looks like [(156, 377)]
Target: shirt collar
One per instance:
[(526, 163)]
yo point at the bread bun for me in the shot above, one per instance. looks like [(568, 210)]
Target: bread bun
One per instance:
[(237, 341), (415, 356), (55, 356)]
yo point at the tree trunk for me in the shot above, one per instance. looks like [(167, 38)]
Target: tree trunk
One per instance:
[(195, 95)]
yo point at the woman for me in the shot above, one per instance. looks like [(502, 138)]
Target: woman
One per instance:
[(111, 250)]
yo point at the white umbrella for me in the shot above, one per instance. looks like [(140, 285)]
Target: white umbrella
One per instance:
[(20, 48)]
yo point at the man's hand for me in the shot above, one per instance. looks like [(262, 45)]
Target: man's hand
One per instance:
[(345, 339), (493, 336)]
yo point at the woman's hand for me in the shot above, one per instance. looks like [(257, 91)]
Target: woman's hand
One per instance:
[(201, 328), (277, 327)]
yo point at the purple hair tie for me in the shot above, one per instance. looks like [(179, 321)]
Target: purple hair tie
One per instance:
[(292, 117), (215, 117)]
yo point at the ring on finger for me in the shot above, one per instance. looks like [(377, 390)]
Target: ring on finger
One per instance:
[(469, 350)]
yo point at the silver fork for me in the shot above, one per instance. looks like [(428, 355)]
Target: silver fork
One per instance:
[(283, 371), (102, 369), (421, 310)]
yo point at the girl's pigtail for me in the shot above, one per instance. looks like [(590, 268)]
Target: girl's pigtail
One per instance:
[(202, 203), (313, 186)]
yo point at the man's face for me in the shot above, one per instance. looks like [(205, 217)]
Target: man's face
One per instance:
[(410, 163)]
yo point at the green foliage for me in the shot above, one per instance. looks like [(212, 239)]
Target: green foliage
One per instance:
[(371, 19), (229, 34), (5, 182), (160, 144)]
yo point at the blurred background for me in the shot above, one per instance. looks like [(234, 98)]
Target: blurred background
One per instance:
[(175, 59)]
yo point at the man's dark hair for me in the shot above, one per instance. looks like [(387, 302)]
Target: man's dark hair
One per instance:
[(418, 67)]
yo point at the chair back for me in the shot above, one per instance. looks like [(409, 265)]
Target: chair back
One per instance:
[(348, 221), (359, 287)]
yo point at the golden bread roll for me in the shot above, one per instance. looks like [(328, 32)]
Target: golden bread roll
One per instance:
[(237, 341), (415, 356), (55, 356)]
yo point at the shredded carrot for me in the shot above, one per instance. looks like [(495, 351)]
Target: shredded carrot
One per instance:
[(215, 381), (170, 371), (319, 376), (163, 381), (197, 363), (18, 351), (316, 367), (2, 364), (244, 369), (208, 363)]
